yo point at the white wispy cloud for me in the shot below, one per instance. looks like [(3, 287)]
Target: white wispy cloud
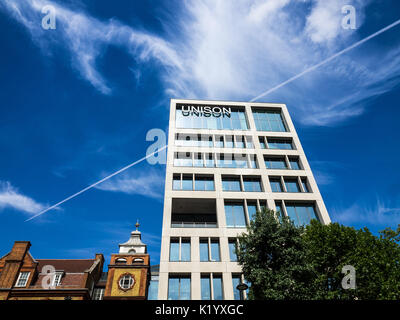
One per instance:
[(148, 183), (217, 49), (380, 213), (86, 38), (10, 197), (237, 50), (326, 171)]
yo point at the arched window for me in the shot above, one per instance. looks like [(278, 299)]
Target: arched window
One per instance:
[(121, 261), (138, 260), (132, 251), (126, 281)]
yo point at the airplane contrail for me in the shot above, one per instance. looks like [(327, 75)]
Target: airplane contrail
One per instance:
[(96, 183), (326, 60)]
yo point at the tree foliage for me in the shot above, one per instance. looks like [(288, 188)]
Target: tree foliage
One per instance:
[(282, 261)]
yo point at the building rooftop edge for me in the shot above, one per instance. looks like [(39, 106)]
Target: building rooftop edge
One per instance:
[(228, 101)]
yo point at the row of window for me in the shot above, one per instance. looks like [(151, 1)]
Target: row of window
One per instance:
[(217, 141), (199, 182), (282, 162), (179, 287), (238, 213), (276, 143), (289, 184), (223, 160), (24, 276), (265, 120), (180, 249), (189, 159), (301, 214), (231, 141), (235, 121)]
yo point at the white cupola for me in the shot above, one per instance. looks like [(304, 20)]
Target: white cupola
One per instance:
[(134, 244)]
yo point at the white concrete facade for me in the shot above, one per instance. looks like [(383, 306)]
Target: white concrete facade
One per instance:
[(225, 268)]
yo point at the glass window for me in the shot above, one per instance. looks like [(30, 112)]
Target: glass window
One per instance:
[(198, 119), (57, 279), (235, 215), (240, 161), (211, 253), (215, 255), (98, 294), (179, 288), (267, 120), (229, 142), (294, 163), (185, 249), (217, 287), (176, 183), (205, 287), (126, 281), (210, 184), (187, 182), (209, 160), (204, 183), (224, 162), (183, 159), (240, 142), (275, 163), (292, 185), (174, 250), (276, 185), (253, 161), (305, 185), (231, 184), (263, 205), (262, 142), (232, 250), (186, 140), (199, 183), (252, 184), (179, 251), (206, 141), (280, 144), (235, 161), (153, 288), (252, 209), (22, 279), (279, 210), (204, 256), (301, 214), (237, 294), (249, 143), (219, 141), (198, 160)]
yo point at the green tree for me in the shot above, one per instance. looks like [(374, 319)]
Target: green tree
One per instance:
[(376, 261), (272, 256), (282, 261)]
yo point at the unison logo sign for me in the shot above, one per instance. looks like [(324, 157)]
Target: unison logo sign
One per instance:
[(206, 111)]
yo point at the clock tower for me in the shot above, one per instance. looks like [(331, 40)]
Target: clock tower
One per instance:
[(128, 271)]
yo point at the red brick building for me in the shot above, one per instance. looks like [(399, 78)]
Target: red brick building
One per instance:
[(22, 277)]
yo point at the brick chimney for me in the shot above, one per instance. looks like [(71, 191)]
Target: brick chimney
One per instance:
[(13, 263)]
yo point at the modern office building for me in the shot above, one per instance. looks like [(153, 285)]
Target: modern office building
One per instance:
[(225, 161)]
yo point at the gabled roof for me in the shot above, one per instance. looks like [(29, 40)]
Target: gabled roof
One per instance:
[(67, 265)]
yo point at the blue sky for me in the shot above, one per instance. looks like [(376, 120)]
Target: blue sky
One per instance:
[(77, 102)]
